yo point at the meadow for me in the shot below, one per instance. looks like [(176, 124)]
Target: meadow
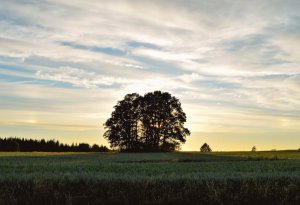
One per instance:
[(150, 178)]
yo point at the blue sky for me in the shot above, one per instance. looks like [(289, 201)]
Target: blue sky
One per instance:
[(234, 65)]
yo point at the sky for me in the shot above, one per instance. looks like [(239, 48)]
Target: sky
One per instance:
[(234, 65)]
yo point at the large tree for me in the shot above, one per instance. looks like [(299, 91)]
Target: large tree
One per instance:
[(154, 122)]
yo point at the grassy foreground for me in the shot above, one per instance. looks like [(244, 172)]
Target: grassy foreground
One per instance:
[(150, 178)]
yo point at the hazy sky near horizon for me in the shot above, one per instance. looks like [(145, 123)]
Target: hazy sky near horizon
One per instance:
[(234, 65)]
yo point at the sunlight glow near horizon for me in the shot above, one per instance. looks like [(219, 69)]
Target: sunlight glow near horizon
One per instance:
[(234, 66)]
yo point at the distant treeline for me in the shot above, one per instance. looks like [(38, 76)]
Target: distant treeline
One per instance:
[(29, 145)]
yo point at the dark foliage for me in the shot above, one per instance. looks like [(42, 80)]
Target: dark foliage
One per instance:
[(153, 122), (30, 145), (205, 148)]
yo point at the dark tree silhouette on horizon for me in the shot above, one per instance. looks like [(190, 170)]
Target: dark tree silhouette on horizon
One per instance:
[(205, 148), (153, 122), (123, 125), (14, 144)]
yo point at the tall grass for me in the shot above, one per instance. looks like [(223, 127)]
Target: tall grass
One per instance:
[(150, 178)]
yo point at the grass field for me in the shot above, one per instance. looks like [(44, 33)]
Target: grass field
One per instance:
[(150, 178)]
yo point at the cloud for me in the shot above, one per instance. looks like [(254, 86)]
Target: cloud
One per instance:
[(189, 37), (78, 77), (234, 60), (23, 50)]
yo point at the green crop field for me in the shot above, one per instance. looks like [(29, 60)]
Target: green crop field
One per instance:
[(150, 178)]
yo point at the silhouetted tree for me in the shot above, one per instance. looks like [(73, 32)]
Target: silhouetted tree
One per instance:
[(154, 122), (97, 148), (205, 148), (123, 125), (163, 120), (253, 149)]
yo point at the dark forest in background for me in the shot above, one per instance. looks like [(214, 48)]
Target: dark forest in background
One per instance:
[(14, 144)]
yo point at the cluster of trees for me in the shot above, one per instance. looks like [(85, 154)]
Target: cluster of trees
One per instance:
[(153, 122), (30, 145)]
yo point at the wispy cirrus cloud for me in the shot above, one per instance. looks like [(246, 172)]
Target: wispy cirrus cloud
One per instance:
[(78, 77)]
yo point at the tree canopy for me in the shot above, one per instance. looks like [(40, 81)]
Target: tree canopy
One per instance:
[(153, 122)]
